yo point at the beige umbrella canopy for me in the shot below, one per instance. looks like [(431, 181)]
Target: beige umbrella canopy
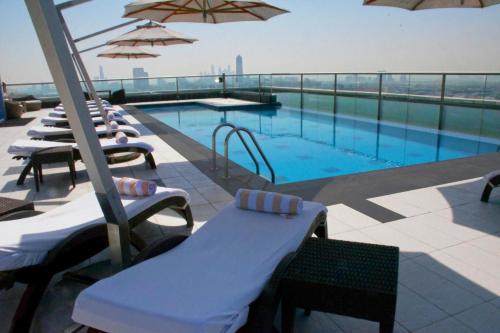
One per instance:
[(127, 52), (202, 11), (151, 34), (432, 4)]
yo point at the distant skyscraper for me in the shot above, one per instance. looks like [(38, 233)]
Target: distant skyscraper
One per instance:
[(212, 69), (138, 74), (101, 73), (239, 65)]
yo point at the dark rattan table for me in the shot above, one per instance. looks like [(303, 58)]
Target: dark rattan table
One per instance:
[(8, 205), (52, 155), (347, 278)]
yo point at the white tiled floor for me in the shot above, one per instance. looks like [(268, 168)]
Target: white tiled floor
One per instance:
[(450, 247)]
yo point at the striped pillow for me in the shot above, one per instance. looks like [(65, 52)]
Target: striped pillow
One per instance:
[(268, 202), (134, 187), (121, 138)]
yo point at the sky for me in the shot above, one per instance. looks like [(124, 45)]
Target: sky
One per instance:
[(316, 36)]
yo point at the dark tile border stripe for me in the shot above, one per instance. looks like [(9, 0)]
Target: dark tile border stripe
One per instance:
[(351, 190)]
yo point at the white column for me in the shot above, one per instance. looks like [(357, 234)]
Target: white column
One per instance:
[(54, 45)]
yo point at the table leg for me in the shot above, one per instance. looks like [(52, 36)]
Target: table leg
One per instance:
[(386, 326), (72, 172), (36, 173), (24, 173), (287, 317)]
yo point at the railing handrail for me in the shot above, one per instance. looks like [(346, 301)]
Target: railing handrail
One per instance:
[(214, 146), (259, 149), (272, 74)]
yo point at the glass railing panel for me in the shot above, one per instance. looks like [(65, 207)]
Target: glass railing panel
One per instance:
[(286, 88), (245, 82), (201, 83), (490, 127), (368, 83), (159, 85), (464, 87), (319, 92), (107, 85), (38, 90), (394, 106), (424, 100)]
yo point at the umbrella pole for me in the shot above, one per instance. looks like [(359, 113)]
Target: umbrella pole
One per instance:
[(47, 24), (84, 73)]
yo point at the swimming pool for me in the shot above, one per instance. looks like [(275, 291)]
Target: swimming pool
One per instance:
[(305, 145)]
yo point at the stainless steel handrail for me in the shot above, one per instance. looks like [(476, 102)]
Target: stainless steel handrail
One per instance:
[(226, 151), (214, 146)]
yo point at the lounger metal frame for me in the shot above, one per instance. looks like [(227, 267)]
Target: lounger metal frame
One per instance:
[(492, 182), (113, 156), (79, 246), (263, 310), (70, 136)]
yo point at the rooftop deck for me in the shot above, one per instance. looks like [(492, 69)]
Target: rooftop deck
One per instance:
[(449, 277)]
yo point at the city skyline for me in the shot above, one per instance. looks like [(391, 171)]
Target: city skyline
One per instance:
[(343, 36)]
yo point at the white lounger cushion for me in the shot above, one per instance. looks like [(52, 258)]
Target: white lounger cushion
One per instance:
[(205, 284), (41, 132), (62, 114), (51, 121), (27, 147), (25, 242)]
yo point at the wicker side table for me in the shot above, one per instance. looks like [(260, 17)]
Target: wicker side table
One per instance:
[(346, 278), (52, 155)]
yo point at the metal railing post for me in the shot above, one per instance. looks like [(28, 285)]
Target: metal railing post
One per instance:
[(441, 106), (302, 91), (177, 88), (260, 89), (335, 95), (379, 107)]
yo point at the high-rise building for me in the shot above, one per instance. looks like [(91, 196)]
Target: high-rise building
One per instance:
[(141, 81), (212, 69), (101, 73), (239, 65)]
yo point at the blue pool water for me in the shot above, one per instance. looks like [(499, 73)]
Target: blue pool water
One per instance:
[(304, 145)]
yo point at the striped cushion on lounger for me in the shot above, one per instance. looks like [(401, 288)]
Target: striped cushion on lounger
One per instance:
[(268, 202)]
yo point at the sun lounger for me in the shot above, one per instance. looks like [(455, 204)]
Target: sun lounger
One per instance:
[(55, 133), (219, 279), (96, 113), (115, 152), (492, 180), (92, 102), (90, 107), (34, 249), (61, 122)]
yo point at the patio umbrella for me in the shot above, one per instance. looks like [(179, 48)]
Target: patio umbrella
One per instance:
[(151, 34), (202, 11), (432, 4), (127, 52)]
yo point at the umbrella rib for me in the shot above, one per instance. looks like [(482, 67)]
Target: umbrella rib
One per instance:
[(175, 11), (417, 4), (248, 12)]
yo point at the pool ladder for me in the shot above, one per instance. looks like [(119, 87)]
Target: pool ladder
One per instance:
[(238, 130)]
